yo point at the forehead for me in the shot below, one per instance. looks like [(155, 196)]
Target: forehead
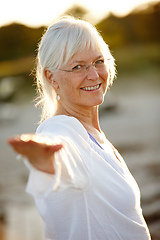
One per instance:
[(87, 54)]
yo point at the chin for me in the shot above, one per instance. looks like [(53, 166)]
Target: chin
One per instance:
[(100, 100), (97, 103)]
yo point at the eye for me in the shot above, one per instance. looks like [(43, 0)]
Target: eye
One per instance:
[(99, 62), (77, 68)]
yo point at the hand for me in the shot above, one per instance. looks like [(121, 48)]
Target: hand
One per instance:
[(39, 150)]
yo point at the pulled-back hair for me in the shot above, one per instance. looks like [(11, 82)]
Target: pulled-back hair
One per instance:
[(61, 41)]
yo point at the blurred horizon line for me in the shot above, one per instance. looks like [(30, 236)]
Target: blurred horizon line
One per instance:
[(89, 16)]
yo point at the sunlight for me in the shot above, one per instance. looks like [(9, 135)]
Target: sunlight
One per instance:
[(99, 10), (35, 13)]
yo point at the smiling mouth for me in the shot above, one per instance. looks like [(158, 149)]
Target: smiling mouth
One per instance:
[(91, 88)]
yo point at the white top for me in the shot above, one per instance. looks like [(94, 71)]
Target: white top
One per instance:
[(92, 196)]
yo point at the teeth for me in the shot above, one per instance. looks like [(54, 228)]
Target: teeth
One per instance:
[(91, 88)]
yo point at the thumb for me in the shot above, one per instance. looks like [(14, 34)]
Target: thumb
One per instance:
[(54, 148)]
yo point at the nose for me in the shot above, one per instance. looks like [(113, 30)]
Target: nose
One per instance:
[(92, 73)]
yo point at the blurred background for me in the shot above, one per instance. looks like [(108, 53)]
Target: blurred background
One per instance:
[(130, 115)]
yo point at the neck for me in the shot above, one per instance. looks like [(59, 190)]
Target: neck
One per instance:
[(88, 117)]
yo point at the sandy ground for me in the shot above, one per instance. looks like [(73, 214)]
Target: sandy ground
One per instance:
[(130, 118)]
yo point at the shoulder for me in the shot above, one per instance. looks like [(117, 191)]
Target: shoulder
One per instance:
[(63, 125)]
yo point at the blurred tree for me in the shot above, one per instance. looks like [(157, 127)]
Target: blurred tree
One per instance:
[(141, 26), (18, 40), (138, 27), (76, 11)]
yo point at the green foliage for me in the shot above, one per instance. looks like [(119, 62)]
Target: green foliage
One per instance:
[(76, 11), (134, 40), (18, 40), (138, 59), (139, 27)]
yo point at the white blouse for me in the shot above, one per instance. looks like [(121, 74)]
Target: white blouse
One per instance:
[(92, 195)]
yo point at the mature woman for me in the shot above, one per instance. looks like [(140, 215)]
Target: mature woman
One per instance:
[(81, 185)]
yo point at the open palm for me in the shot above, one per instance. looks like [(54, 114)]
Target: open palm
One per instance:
[(39, 150)]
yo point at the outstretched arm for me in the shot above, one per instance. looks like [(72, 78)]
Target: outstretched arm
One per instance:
[(37, 149)]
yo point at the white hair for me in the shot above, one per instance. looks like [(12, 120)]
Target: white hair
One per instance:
[(60, 42)]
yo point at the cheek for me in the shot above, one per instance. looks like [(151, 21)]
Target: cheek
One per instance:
[(105, 82), (66, 87), (105, 76)]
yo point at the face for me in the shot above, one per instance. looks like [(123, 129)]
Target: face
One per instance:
[(85, 90)]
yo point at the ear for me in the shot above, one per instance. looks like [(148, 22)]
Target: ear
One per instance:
[(50, 78)]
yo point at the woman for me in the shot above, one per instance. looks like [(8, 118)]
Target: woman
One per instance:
[(81, 185)]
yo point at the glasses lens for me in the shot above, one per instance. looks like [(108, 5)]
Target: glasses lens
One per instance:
[(81, 69)]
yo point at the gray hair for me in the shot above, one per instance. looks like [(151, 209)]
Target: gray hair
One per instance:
[(60, 42)]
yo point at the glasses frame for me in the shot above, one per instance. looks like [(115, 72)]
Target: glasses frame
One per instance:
[(85, 66)]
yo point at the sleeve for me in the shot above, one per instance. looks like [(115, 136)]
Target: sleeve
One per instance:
[(71, 170)]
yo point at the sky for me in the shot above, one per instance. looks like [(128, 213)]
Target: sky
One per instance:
[(35, 13)]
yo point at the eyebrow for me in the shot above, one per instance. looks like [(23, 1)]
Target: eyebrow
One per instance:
[(82, 61)]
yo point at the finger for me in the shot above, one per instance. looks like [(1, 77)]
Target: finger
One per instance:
[(13, 140), (54, 148), (29, 137), (19, 145), (23, 145)]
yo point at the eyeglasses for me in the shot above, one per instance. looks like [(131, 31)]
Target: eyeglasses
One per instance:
[(82, 69)]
